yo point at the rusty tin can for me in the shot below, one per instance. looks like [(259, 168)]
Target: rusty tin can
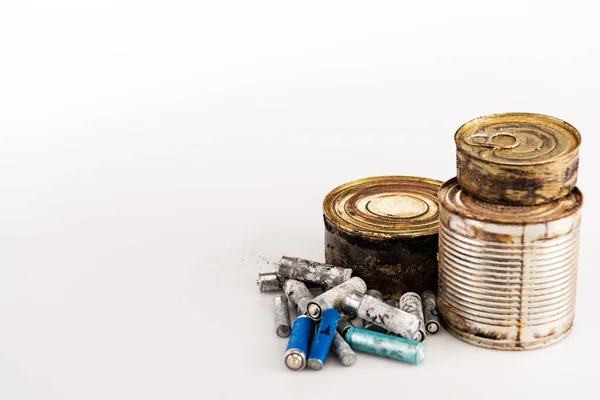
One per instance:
[(507, 273), (517, 158), (385, 230)]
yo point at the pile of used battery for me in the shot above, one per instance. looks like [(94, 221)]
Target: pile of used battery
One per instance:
[(390, 329), (495, 249)]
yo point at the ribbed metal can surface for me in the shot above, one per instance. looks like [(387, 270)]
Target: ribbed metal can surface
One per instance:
[(507, 274)]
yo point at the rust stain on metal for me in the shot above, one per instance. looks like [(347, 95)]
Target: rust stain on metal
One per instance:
[(385, 229), (507, 274), (517, 158)]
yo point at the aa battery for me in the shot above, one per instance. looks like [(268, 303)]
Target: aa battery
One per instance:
[(334, 298), (282, 316), (411, 303), (390, 318), (430, 313), (342, 350), (379, 344), (297, 348), (344, 324), (320, 274), (268, 282), (323, 339), (385, 229), (371, 326), (298, 294)]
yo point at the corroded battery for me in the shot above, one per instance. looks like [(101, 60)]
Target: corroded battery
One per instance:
[(507, 273), (391, 319), (430, 313), (307, 271), (396, 348), (268, 282), (297, 348), (517, 158), (319, 349), (344, 324), (371, 326), (412, 304), (282, 316), (334, 298), (342, 350), (298, 294), (385, 230)]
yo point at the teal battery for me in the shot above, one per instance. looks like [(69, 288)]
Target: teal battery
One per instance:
[(323, 339), (379, 344), (297, 348)]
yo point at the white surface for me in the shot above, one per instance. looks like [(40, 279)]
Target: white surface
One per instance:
[(152, 155)]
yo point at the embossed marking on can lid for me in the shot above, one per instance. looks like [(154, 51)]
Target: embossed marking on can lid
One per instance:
[(456, 200), (518, 139), (385, 207)]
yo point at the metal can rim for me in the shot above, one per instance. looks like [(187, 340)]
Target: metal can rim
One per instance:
[(508, 213), (384, 229), (535, 117)]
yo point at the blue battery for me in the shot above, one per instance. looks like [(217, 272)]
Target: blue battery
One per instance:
[(297, 348), (394, 347), (323, 339)]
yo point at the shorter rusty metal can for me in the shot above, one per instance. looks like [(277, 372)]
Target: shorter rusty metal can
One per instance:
[(517, 158), (508, 274), (385, 230)]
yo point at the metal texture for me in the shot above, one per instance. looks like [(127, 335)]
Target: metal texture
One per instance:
[(430, 313), (334, 298), (281, 311), (321, 344), (412, 304), (507, 273), (297, 348), (385, 230), (342, 350), (298, 294), (517, 158), (379, 344), (344, 324), (390, 318), (314, 272), (268, 282), (371, 326)]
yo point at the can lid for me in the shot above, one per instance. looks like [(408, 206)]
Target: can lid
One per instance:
[(456, 200), (385, 207), (517, 139)]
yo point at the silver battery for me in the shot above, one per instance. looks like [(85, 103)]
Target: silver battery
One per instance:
[(507, 274), (371, 326), (281, 310), (307, 271), (412, 304), (344, 324), (342, 350), (392, 319), (334, 298), (268, 282), (298, 294), (430, 313)]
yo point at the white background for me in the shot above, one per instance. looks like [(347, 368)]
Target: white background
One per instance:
[(155, 156)]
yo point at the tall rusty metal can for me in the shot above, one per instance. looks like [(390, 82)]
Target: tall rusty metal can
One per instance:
[(517, 158), (385, 229), (507, 274)]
